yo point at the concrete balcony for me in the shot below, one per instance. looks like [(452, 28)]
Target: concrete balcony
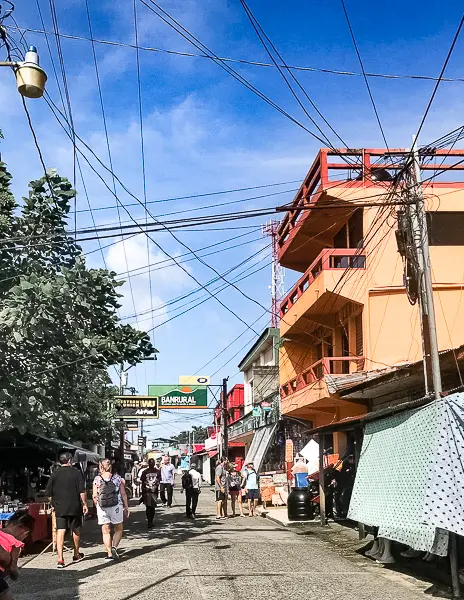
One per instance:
[(310, 389), (314, 296)]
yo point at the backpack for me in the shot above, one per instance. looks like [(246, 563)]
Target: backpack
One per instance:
[(187, 481), (108, 494)]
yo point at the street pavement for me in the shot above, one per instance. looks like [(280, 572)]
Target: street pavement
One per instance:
[(250, 558)]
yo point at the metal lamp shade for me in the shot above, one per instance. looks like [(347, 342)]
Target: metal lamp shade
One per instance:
[(30, 80)]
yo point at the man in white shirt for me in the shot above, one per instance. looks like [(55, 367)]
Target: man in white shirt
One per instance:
[(192, 486), (168, 471)]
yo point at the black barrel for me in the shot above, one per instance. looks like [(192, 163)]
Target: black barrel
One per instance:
[(299, 507)]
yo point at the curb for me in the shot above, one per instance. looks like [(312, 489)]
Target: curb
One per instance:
[(265, 515)]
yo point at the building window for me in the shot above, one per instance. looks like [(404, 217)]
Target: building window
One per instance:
[(446, 228), (347, 262), (351, 234)]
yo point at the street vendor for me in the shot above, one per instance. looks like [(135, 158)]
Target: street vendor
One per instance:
[(11, 543)]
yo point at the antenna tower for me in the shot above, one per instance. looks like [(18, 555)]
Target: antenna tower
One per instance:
[(277, 285)]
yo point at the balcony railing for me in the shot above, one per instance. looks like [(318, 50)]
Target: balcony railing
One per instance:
[(328, 259), (329, 365), (360, 166)]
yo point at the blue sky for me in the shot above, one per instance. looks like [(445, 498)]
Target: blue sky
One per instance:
[(204, 132)]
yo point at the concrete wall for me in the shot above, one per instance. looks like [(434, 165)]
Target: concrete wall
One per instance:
[(265, 382)]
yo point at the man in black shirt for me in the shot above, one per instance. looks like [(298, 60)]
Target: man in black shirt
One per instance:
[(66, 490)]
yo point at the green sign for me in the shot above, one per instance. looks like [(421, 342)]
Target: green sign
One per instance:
[(180, 396)]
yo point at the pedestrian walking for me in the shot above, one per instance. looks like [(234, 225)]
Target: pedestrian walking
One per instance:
[(150, 485), (159, 460), (221, 485), (11, 543), (191, 484), (250, 482), (168, 471), (110, 498), (66, 490), (134, 479), (235, 489)]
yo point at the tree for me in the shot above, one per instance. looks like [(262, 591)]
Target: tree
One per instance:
[(59, 329), (197, 433)]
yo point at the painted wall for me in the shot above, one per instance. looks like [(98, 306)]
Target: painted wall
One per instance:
[(391, 325)]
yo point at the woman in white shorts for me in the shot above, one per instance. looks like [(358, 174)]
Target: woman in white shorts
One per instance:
[(110, 498)]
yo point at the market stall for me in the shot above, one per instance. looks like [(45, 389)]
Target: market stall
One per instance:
[(26, 463)]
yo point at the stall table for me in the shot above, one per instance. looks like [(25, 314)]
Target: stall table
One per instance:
[(40, 512)]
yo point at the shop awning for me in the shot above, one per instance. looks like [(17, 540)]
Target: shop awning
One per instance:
[(212, 453), (46, 445), (259, 445), (349, 423)]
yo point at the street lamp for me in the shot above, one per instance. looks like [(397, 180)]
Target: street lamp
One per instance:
[(30, 77)]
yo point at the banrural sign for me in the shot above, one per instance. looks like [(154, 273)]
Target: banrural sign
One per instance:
[(142, 407), (180, 396)]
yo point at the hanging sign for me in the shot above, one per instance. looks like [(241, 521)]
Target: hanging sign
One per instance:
[(256, 411), (131, 425), (194, 380), (266, 406), (289, 451), (132, 407), (180, 396)]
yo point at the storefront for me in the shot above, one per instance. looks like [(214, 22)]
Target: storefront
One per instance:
[(26, 464)]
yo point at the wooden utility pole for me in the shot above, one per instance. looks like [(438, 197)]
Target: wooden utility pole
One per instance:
[(420, 237), (322, 507), (224, 418), (122, 435)]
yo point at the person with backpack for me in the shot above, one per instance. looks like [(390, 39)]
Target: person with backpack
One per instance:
[(191, 484), (110, 498), (150, 483), (250, 481)]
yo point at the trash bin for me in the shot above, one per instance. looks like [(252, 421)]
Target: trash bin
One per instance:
[(299, 505)]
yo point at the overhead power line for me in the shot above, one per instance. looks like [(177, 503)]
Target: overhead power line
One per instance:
[(194, 196), (361, 64), (254, 63), (105, 129), (194, 41), (263, 38), (440, 78)]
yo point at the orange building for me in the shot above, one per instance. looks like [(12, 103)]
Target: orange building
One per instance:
[(349, 312)]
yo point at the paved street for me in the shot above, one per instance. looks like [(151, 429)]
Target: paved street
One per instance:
[(237, 558)]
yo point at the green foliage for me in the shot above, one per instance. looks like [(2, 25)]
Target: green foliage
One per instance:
[(201, 433), (59, 329)]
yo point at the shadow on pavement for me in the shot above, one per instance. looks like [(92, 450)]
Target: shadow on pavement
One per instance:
[(170, 528)]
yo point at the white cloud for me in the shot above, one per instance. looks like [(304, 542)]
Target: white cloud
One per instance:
[(132, 254)]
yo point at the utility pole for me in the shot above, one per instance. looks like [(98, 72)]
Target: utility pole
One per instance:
[(142, 433), (420, 238), (271, 230), (122, 436), (224, 418)]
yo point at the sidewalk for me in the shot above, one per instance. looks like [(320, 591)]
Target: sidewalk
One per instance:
[(344, 538), (209, 559)]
